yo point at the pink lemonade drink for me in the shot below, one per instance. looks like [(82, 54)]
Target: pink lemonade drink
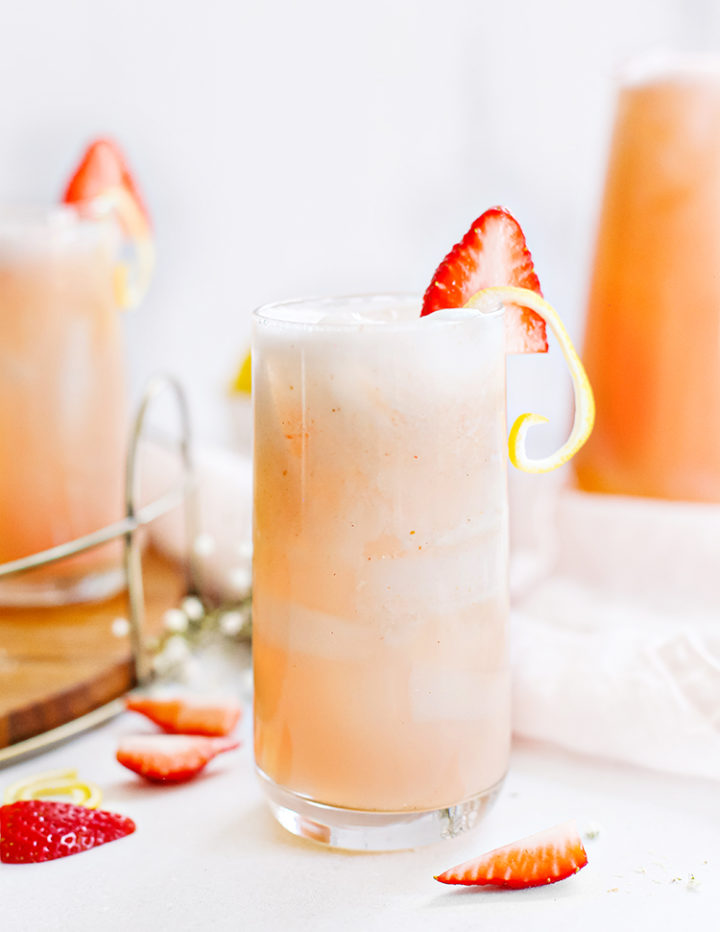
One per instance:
[(62, 402), (653, 333), (382, 688)]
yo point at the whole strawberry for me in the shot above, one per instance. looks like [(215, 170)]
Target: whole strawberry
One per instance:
[(34, 830)]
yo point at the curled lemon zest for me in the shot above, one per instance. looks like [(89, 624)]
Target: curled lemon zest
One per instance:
[(131, 280), (54, 783), (584, 401), (242, 383)]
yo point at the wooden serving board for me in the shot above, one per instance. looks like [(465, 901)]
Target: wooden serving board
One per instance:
[(56, 664)]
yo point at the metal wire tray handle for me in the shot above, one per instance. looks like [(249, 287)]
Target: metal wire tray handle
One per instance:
[(136, 518)]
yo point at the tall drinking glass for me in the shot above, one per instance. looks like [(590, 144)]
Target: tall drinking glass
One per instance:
[(652, 346), (62, 401), (380, 603)]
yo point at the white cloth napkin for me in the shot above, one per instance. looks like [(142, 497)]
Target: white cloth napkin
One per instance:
[(223, 548), (616, 609), (616, 637)]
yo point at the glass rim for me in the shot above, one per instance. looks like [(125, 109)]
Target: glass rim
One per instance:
[(667, 64), (279, 313), (21, 220)]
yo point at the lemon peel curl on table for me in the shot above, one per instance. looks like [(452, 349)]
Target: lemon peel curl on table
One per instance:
[(54, 783)]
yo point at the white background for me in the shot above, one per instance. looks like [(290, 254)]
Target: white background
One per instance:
[(320, 147)]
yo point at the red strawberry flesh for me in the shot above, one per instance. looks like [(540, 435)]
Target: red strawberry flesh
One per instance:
[(540, 859), (493, 252), (170, 758), (188, 716), (35, 830), (101, 168)]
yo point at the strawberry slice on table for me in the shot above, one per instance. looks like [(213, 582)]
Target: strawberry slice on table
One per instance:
[(493, 252), (543, 858), (170, 758), (188, 716), (40, 830)]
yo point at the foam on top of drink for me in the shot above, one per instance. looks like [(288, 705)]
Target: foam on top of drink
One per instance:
[(664, 65), (35, 230), (363, 313)]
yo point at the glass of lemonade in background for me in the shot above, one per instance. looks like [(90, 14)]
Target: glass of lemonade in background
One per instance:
[(652, 346), (62, 401), (382, 686)]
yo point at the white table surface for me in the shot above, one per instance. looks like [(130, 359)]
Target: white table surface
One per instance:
[(208, 855)]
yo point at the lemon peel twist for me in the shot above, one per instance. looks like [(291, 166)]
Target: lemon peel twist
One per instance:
[(242, 383), (584, 401), (54, 783), (131, 280)]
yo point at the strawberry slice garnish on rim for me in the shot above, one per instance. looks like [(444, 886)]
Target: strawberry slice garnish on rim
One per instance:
[(492, 265), (493, 252), (102, 185), (102, 168), (540, 859)]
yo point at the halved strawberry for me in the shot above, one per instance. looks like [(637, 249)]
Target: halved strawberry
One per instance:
[(102, 168), (39, 830), (543, 858), (188, 716), (170, 758), (493, 252)]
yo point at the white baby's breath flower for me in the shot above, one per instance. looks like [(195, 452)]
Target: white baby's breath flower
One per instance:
[(161, 664), (204, 545), (592, 829), (120, 627), (232, 623), (174, 653), (193, 608), (244, 550), (240, 579), (175, 620)]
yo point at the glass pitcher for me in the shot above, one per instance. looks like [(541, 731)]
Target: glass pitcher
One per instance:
[(652, 347), (62, 401)]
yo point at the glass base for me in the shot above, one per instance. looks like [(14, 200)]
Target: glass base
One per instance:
[(365, 830), (24, 592)]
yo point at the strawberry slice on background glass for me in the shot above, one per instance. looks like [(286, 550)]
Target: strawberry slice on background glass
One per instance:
[(102, 168), (493, 252), (36, 830), (539, 859), (102, 185)]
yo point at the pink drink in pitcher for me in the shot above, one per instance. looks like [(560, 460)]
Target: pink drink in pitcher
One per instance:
[(62, 378)]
